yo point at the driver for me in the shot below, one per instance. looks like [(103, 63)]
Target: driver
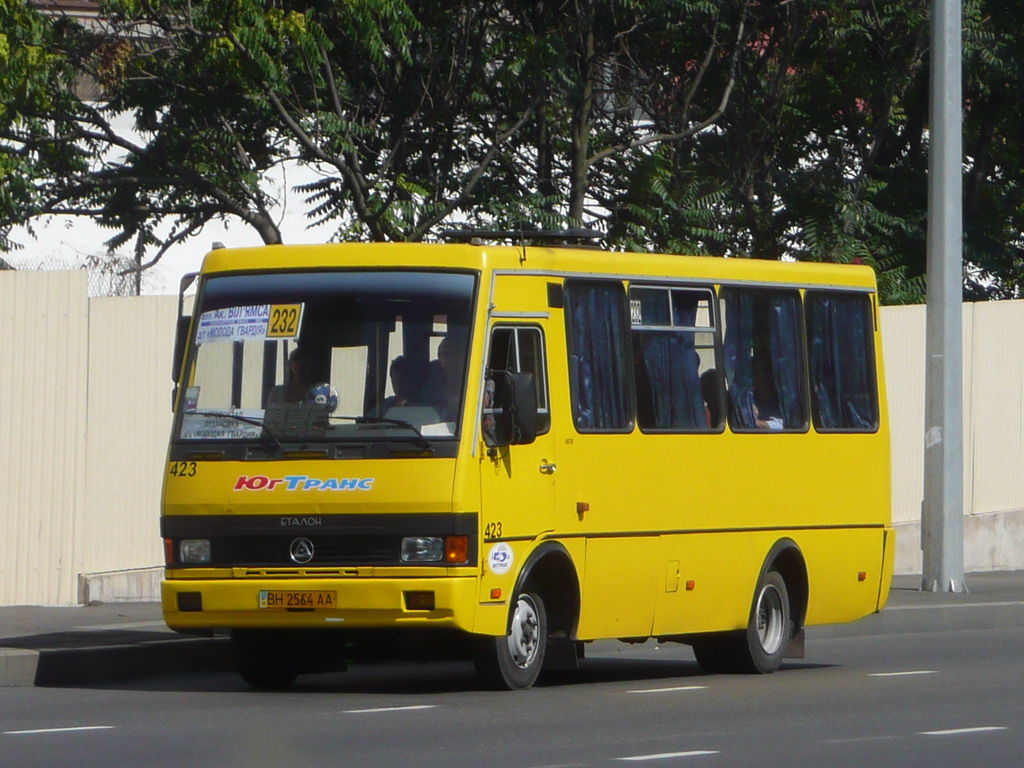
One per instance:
[(297, 380)]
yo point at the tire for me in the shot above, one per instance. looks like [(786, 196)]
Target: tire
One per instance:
[(761, 647), (265, 660), (770, 625), (514, 661)]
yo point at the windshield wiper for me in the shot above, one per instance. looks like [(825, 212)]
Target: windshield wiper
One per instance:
[(419, 441), (245, 420)]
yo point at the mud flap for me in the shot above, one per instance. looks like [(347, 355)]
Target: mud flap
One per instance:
[(562, 655), (795, 649)]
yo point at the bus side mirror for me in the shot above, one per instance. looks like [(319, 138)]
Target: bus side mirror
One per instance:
[(180, 338), (514, 409), (181, 333)]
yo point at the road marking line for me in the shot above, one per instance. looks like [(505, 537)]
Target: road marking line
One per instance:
[(904, 674), (858, 739), (667, 755), (61, 730), (959, 731), (669, 690), (389, 709), (1002, 604), (157, 624)]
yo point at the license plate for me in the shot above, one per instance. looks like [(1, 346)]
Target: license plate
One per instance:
[(297, 598)]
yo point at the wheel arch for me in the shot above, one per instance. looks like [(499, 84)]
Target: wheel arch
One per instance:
[(786, 557), (549, 571)]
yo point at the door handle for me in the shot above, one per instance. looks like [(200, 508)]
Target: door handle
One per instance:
[(546, 468)]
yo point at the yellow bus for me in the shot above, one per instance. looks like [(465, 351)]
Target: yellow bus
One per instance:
[(509, 450)]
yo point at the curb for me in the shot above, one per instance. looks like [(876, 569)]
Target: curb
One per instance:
[(56, 667), (18, 667)]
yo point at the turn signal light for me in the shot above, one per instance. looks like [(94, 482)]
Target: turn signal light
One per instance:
[(456, 549)]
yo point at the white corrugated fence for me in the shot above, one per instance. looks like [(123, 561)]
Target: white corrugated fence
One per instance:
[(85, 414)]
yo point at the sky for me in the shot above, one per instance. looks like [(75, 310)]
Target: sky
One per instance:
[(66, 241)]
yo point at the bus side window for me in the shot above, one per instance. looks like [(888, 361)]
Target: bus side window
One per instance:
[(677, 389), (764, 354), (597, 334), (840, 339), (520, 349)]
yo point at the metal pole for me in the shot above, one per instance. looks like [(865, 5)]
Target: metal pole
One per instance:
[(942, 525)]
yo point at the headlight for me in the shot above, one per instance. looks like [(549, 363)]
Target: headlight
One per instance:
[(194, 550), (422, 549), (435, 549)]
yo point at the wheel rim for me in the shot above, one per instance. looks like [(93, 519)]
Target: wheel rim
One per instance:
[(770, 619), (524, 637)]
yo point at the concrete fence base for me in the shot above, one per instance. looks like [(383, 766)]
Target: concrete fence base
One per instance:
[(993, 541), (136, 585)]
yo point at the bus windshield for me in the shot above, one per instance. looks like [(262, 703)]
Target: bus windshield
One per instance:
[(328, 356)]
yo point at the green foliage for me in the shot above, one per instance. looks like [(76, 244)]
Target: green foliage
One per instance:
[(770, 129)]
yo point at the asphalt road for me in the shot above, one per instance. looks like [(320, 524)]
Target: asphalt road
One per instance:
[(891, 696)]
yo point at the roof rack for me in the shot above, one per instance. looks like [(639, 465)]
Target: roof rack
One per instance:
[(586, 237)]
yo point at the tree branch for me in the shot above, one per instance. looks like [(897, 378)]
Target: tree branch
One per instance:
[(668, 137)]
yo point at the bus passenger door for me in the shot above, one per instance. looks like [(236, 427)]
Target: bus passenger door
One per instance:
[(517, 482)]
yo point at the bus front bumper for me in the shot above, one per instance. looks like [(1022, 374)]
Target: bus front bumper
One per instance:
[(199, 605)]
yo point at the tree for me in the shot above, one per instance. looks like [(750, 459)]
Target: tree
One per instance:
[(391, 101), (195, 150), (994, 149), (761, 128), (817, 148)]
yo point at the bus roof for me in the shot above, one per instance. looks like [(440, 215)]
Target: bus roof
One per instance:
[(533, 259)]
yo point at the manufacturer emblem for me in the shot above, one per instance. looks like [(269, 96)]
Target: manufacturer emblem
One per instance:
[(301, 550)]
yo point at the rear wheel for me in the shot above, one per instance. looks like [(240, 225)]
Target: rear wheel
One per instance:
[(761, 647), (769, 628), (515, 660)]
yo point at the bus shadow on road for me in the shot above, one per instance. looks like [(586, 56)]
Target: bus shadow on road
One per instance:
[(441, 677)]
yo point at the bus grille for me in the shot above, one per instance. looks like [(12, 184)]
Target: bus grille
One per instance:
[(249, 551)]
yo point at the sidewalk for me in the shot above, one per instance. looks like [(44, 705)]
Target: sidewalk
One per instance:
[(49, 646), (54, 646)]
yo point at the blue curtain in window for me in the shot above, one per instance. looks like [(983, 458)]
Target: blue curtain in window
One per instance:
[(857, 373), (842, 368), (672, 369), (598, 355), (823, 355), (738, 346), (784, 341), (687, 397)]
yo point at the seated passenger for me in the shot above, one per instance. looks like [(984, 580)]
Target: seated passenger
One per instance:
[(451, 355), (406, 381), (711, 391), (767, 413)]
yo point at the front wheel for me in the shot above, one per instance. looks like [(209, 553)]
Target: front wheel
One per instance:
[(514, 661)]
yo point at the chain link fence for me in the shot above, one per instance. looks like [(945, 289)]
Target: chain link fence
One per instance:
[(109, 273)]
